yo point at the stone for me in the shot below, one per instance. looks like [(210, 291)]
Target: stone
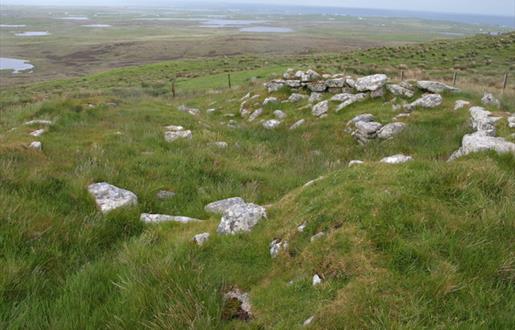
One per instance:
[(297, 124), (219, 207), (309, 183), (157, 218), (274, 85), (335, 83), (315, 97), (38, 132), (460, 104), (316, 280), (191, 111), (201, 238), (295, 97), (293, 83), (36, 145), (171, 136), (435, 86), (370, 83), (301, 227), (320, 108), (350, 82), (270, 100), (317, 86), (482, 120), (245, 97), (109, 197), (426, 101), (271, 123), (355, 162), (396, 159), (276, 246), (388, 131), (490, 99), (480, 141), (240, 218), (220, 144), (351, 100), (310, 75), (289, 74), (174, 128), (211, 110), (38, 122), (279, 114), (511, 121), (377, 93), (342, 97), (366, 117), (317, 236), (242, 300), (308, 321), (366, 131), (399, 90), (255, 114), (165, 194)]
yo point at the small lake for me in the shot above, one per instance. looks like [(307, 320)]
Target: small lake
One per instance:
[(97, 25), (32, 34), (12, 25), (266, 29), (227, 23), (14, 64)]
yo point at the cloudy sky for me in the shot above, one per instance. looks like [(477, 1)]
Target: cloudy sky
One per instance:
[(484, 7)]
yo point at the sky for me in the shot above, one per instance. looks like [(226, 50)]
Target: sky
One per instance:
[(483, 7)]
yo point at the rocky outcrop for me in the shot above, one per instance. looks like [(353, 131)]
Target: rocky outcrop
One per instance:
[(482, 120), (370, 83), (435, 86), (158, 218), (240, 218), (109, 197), (219, 207)]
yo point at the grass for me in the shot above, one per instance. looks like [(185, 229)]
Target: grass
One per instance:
[(428, 244)]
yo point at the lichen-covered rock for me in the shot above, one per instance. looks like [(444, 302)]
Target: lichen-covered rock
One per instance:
[(335, 83), (171, 136), (320, 108), (426, 101), (201, 238), (366, 131), (480, 141), (274, 85), (317, 86), (390, 130), (219, 207), (315, 97), (435, 86), (396, 159), (482, 120), (370, 83), (109, 197), (158, 218), (276, 246), (38, 132), (293, 83), (241, 218), (310, 75), (398, 90), (270, 100), (271, 123), (295, 97), (352, 98), (460, 104)]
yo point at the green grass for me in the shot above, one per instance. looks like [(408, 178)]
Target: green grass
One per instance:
[(428, 244)]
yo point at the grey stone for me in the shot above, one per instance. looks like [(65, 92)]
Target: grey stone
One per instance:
[(396, 159), (426, 101), (482, 120), (276, 246), (191, 111), (399, 90), (317, 86), (39, 122), (371, 83), (355, 162), (270, 100), (158, 218), (38, 132), (171, 136), (271, 123), (255, 114), (316, 280), (390, 130), (219, 207), (351, 100), (165, 194), (317, 236), (315, 97), (109, 197), (335, 83), (36, 145), (275, 85), (490, 99), (460, 104), (435, 86), (201, 238), (320, 108), (295, 97), (297, 124), (240, 218), (279, 114), (244, 311), (480, 141)]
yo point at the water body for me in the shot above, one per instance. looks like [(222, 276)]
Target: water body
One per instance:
[(12, 25), (97, 25), (266, 29), (14, 64), (32, 34), (228, 23)]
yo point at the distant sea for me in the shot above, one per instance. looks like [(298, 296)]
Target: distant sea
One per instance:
[(498, 21)]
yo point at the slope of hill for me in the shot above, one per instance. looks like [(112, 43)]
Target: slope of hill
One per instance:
[(424, 244)]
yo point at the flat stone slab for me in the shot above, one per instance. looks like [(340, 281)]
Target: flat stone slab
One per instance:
[(219, 207), (158, 218), (240, 218), (109, 197)]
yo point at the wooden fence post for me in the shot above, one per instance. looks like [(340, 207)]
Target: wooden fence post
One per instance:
[(505, 82), (229, 79), (454, 77), (402, 75), (174, 78)]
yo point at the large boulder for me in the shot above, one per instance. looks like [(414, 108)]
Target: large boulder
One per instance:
[(157, 218), (370, 83), (398, 90), (482, 120), (219, 207), (388, 131), (109, 197), (435, 86), (320, 108), (240, 218), (480, 141), (426, 101)]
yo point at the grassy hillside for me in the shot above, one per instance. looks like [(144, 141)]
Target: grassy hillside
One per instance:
[(427, 244)]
